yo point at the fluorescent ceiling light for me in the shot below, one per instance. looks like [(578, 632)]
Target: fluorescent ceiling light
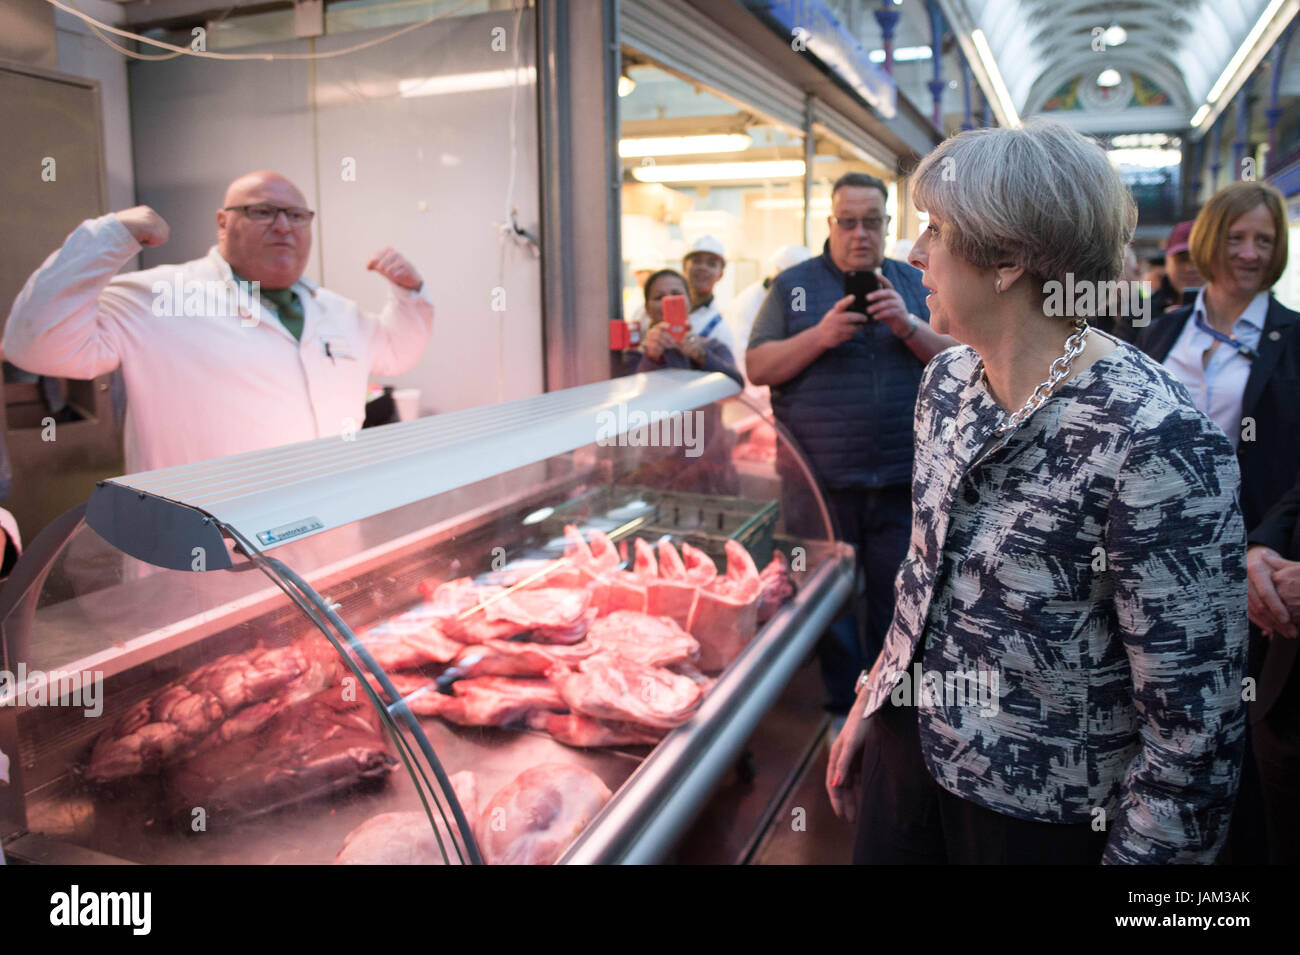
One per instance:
[(626, 85), (466, 82), (1009, 115), (1146, 158), (1115, 35), (1133, 140), (1108, 77), (721, 171), (1243, 51), (902, 54), (683, 145), (1200, 115)]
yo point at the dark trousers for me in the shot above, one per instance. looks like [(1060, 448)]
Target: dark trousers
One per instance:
[(906, 818), (878, 523), (1277, 754)]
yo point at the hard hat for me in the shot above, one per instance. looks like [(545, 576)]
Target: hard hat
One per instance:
[(706, 243), (785, 257)]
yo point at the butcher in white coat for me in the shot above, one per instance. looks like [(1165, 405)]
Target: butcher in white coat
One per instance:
[(232, 352)]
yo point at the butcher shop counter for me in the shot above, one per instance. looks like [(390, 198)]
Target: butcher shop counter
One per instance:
[(411, 643)]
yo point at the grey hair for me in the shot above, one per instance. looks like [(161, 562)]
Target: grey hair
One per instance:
[(1043, 196)]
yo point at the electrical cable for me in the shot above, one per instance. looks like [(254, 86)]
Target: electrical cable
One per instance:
[(97, 25)]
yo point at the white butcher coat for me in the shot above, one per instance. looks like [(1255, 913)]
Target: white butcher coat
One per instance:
[(201, 386)]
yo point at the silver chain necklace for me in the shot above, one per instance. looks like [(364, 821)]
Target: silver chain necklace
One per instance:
[(1059, 371)]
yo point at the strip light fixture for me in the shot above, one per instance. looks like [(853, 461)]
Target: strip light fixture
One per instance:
[(1010, 117), (1275, 18), (721, 171)]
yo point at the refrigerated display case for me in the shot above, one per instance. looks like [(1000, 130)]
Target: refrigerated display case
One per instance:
[(245, 660)]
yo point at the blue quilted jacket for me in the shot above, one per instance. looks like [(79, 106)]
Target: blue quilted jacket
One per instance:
[(851, 409)]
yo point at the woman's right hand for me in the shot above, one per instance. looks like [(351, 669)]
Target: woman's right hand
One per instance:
[(845, 761), (656, 340)]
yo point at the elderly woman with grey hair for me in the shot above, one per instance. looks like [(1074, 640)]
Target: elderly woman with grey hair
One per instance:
[(1062, 678)]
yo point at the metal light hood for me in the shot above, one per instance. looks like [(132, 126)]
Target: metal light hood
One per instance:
[(175, 517)]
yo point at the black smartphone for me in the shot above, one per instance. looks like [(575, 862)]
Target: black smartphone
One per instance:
[(859, 284)]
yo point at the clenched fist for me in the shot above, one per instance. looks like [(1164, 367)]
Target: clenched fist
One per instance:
[(392, 266), (146, 226)]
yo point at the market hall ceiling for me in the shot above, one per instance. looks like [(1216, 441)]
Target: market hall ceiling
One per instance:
[(1177, 48)]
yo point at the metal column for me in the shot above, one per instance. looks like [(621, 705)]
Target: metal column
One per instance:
[(578, 62)]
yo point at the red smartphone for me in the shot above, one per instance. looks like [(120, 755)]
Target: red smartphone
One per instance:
[(859, 284), (674, 307)]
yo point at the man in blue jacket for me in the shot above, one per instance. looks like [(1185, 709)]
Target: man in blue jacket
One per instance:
[(845, 386)]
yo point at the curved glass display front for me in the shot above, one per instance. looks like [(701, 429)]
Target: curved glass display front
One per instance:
[(530, 639)]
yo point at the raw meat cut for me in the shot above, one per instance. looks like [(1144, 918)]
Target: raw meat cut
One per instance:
[(565, 635), (725, 615), (405, 643), (598, 554), (700, 568), (167, 726), (407, 838), (610, 688), (503, 658), (641, 638), (317, 746), (473, 614), (645, 565), (673, 593), (488, 701), (626, 591), (574, 729), (776, 587), (518, 658), (535, 817), (695, 675)]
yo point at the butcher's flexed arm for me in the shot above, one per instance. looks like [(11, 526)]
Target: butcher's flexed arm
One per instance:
[(65, 321), (403, 328)]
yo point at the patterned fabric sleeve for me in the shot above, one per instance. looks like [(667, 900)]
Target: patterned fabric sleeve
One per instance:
[(1175, 546)]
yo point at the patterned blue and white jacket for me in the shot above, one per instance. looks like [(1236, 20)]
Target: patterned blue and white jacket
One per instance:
[(1093, 561)]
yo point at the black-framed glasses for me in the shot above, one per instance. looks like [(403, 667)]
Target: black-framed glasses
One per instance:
[(870, 223), (264, 214)]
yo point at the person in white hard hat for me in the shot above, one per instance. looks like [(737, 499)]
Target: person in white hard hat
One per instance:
[(740, 315), (704, 263)]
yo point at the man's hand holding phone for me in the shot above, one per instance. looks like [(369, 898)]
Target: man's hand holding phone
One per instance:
[(840, 324)]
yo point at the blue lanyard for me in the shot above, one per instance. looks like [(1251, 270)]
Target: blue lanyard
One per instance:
[(1244, 350), (713, 323)]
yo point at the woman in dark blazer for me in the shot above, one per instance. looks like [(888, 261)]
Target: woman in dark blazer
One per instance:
[(1251, 384), (1237, 351)]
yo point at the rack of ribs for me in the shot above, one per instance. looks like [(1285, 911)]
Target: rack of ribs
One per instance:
[(725, 615)]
